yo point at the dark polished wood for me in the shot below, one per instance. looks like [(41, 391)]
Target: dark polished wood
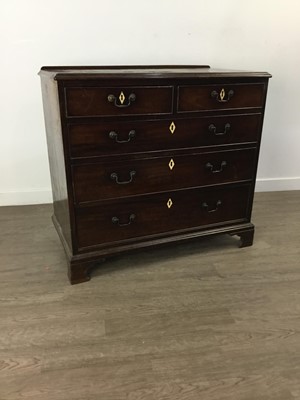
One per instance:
[(145, 156), (79, 272), (115, 179), (95, 139), (92, 102), (56, 142), (209, 97), (246, 237), (160, 214), (87, 73)]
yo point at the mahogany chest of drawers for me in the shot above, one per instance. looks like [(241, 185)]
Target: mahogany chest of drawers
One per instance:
[(141, 156)]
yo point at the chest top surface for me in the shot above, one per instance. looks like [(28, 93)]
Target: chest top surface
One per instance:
[(147, 71)]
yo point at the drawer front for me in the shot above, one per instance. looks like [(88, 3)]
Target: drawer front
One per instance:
[(118, 101), (116, 137), (121, 220), (220, 97), (94, 182)]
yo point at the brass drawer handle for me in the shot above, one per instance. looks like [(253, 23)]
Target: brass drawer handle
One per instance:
[(210, 210), (212, 128), (114, 136), (113, 99), (115, 220), (214, 171), (114, 177), (220, 97)]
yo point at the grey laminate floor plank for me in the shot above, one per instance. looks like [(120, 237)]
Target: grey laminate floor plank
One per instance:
[(201, 320)]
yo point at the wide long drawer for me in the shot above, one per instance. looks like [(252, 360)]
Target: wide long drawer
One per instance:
[(100, 181), (139, 217), (120, 137), (220, 97), (118, 101)]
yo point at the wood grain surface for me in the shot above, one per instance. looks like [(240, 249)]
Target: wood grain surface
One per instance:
[(203, 320)]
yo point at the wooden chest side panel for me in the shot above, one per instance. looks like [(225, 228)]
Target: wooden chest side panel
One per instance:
[(56, 159)]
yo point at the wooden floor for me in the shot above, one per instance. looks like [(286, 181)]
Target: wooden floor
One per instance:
[(204, 320)]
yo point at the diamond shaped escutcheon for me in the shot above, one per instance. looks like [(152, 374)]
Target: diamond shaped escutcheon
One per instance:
[(222, 94), (171, 164), (172, 127), (169, 203), (122, 97)]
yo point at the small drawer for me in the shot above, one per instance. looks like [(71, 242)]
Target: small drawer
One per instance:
[(121, 137), (220, 97), (139, 217), (101, 181), (118, 101)]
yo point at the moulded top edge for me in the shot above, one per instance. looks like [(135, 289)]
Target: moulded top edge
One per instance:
[(167, 71)]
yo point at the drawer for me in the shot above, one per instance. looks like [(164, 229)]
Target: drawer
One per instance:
[(118, 101), (220, 97), (121, 137), (100, 181), (139, 217)]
